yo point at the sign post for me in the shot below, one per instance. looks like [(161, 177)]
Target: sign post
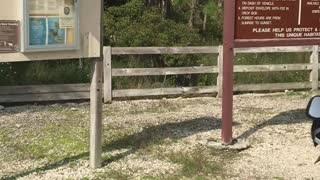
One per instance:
[(227, 83), (261, 23)]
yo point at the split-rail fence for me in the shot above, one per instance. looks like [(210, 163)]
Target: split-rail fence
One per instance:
[(58, 92)]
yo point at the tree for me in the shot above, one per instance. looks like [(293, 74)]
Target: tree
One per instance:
[(202, 16), (135, 24)]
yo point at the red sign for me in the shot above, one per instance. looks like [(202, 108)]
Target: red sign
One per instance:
[(277, 20)]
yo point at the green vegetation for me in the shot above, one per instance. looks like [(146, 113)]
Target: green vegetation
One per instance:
[(112, 175), (67, 141), (198, 163), (203, 163), (46, 72), (53, 142), (156, 23), (3, 137), (160, 107), (278, 178)]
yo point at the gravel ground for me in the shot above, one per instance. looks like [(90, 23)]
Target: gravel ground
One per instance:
[(274, 124)]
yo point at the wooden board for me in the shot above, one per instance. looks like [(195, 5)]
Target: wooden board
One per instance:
[(165, 50)]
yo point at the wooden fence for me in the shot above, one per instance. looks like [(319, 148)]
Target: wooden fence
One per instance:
[(81, 91)]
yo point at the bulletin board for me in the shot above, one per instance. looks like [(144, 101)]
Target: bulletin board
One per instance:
[(51, 25), (34, 30)]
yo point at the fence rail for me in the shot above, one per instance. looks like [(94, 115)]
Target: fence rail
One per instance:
[(81, 91)]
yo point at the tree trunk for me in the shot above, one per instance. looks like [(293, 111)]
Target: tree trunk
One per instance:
[(149, 3), (204, 27), (193, 13), (165, 7)]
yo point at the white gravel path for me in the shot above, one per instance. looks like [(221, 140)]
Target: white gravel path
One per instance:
[(274, 124)]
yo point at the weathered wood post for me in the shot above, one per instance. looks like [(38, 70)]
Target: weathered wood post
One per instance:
[(107, 73), (314, 60), (96, 102), (96, 114)]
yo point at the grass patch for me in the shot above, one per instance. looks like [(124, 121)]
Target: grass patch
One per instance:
[(5, 147), (85, 178), (112, 175), (109, 110), (56, 143), (53, 143), (159, 107), (59, 138), (3, 137), (72, 164), (194, 163), (278, 178), (299, 94), (149, 178), (256, 110), (119, 138), (201, 163)]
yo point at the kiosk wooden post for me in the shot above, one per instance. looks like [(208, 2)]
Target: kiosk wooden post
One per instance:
[(96, 114), (96, 103)]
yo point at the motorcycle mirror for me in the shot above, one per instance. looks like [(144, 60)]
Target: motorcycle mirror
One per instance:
[(313, 108)]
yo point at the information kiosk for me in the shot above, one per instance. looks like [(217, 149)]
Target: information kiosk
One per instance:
[(49, 29), (32, 30)]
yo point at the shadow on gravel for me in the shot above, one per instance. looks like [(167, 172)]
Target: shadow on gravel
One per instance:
[(289, 117), (148, 136)]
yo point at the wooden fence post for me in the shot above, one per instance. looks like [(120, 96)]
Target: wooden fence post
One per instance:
[(314, 59), (220, 71), (107, 74)]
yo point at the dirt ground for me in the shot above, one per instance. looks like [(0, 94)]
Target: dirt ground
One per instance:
[(159, 139)]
